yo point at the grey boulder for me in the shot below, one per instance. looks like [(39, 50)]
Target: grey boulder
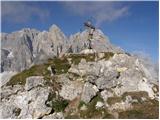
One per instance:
[(89, 91)]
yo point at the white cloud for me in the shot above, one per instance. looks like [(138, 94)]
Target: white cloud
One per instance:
[(21, 12), (100, 11)]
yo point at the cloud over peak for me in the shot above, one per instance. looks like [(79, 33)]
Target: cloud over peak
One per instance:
[(101, 11)]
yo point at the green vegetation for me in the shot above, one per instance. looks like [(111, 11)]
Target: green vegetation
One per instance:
[(56, 103), (36, 70), (59, 105), (131, 114), (113, 100), (143, 109), (72, 117), (108, 55), (76, 58), (147, 110), (81, 103), (136, 95), (92, 112), (59, 65), (17, 111)]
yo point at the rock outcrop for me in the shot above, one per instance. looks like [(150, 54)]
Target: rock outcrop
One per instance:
[(110, 85), (25, 103), (103, 82), (26, 47), (23, 48)]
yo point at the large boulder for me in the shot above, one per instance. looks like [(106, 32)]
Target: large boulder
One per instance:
[(32, 103), (71, 91), (8, 111), (34, 81), (105, 94), (89, 91), (26, 104), (9, 90)]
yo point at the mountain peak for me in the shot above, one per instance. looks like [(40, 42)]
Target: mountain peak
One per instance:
[(54, 28)]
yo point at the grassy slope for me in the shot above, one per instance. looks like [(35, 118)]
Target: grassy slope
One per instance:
[(61, 66)]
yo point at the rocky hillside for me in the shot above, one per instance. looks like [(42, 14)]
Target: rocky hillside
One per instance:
[(22, 49), (58, 77), (99, 85)]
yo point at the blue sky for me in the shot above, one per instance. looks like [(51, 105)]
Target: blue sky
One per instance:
[(131, 25)]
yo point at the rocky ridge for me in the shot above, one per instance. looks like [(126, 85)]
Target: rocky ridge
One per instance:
[(101, 83), (24, 48), (97, 84)]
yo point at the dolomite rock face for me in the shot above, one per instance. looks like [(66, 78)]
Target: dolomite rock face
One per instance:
[(23, 48), (100, 42), (19, 47), (105, 79), (26, 47)]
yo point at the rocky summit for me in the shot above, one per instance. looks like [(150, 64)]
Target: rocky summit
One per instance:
[(51, 76)]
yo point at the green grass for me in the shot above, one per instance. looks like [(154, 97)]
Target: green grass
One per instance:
[(61, 66), (147, 110), (113, 100), (59, 105), (108, 55), (76, 58), (141, 110), (131, 114), (136, 95), (92, 112), (36, 70), (72, 117), (81, 103)]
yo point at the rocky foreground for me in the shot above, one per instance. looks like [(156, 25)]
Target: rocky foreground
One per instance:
[(83, 85)]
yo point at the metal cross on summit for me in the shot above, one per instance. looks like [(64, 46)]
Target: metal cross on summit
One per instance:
[(89, 26)]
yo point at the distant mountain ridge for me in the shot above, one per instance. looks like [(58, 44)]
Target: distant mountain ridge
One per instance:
[(23, 48)]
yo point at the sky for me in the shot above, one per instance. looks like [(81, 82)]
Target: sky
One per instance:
[(133, 26)]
